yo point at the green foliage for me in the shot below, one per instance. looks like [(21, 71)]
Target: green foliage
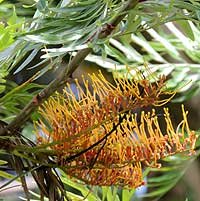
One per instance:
[(10, 26), (15, 98), (147, 34), (176, 53), (24, 8), (9, 31), (167, 176)]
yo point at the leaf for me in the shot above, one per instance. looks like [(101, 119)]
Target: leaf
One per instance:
[(191, 93), (168, 176), (185, 27), (131, 55), (169, 47), (68, 10), (163, 178), (115, 53), (160, 191), (27, 61), (126, 195), (81, 187), (2, 162), (13, 19), (42, 6), (146, 46), (134, 21), (107, 193), (6, 175), (64, 3), (115, 195)]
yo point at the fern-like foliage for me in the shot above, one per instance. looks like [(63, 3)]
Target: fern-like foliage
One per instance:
[(165, 34)]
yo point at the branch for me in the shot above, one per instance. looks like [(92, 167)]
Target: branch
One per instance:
[(60, 81)]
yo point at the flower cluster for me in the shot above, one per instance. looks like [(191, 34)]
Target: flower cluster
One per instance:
[(100, 139)]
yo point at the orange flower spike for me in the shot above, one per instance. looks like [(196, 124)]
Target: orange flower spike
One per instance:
[(142, 135), (152, 144), (136, 130), (173, 136), (128, 88), (84, 121), (154, 128), (157, 145), (192, 137), (185, 119), (153, 91), (125, 96), (101, 85), (155, 121), (156, 89), (163, 142)]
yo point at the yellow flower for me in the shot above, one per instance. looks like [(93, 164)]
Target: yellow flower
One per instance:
[(98, 138)]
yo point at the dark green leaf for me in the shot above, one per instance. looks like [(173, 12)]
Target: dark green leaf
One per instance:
[(42, 6)]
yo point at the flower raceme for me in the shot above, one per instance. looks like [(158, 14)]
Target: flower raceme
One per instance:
[(99, 139)]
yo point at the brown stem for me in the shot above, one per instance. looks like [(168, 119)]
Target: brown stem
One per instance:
[(60, 81), (49, 90)]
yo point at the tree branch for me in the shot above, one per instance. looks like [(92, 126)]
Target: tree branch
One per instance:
[(60, 81)]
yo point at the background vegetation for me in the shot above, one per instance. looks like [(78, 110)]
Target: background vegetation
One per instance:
[(38, 39)]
